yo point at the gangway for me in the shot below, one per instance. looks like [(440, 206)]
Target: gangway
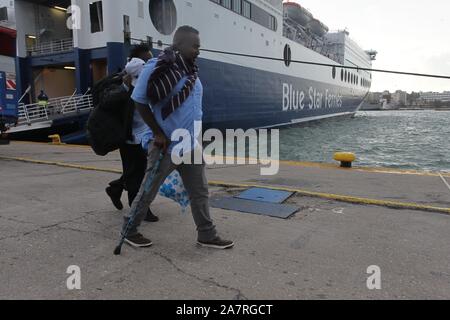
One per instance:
[(35, 116)]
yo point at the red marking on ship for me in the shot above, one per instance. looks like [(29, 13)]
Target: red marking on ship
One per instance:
[(11, 85)]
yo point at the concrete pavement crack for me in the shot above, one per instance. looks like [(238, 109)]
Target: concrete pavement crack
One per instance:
[(40, 229), (239, 294)]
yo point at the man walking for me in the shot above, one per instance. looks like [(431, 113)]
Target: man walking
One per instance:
[(168, 95), (134, 158)]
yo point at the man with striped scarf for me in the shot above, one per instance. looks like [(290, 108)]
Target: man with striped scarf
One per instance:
[(168, 95)]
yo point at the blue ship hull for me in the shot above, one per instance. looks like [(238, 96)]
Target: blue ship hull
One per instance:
[(242, 97), (239, 97)]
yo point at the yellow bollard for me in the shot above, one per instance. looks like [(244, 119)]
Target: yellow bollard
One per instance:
[(345, 158), (56, 139)]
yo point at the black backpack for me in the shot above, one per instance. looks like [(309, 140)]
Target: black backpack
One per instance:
[(105, 127)]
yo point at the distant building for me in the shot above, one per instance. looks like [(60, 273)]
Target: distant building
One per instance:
[(435, 96), (399, 98), (374, 97)]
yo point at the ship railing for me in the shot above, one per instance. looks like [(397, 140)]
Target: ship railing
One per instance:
[(303, 36), (55, 46), (75, 102), (32, 113), (55, 109)]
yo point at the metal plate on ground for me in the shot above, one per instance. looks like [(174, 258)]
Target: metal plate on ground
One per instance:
[(282, 211), (265, 195)]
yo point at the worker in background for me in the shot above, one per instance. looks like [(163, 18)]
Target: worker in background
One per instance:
[(42, 103)]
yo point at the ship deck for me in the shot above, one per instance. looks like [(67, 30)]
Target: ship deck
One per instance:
[(54, 214)]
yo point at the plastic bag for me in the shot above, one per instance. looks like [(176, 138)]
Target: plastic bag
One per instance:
[(173, 188)]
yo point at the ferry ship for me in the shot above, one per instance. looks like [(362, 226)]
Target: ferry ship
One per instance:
[(64, 47), (8, 92)]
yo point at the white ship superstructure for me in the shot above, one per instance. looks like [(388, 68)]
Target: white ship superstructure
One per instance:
[(239, 91)]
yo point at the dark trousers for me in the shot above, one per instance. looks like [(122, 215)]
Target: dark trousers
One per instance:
[(134, 164)]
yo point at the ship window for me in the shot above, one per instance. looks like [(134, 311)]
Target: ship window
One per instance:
[(3, 14), (141, 8), (237, 6), (333, 72), (246, 9), (273, 23), (226, 3), (346, 76), (262, 17), (96, 15), (163, 15), (342, 75), (250, 11), (287, 55)]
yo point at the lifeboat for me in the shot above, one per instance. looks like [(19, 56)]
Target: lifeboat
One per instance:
[(297, 13), (318, 28)]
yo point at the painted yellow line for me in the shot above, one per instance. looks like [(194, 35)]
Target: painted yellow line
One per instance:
[(329, 196), (60, 164), (336, 166), (291, 163), (342, 198), (49, 144)]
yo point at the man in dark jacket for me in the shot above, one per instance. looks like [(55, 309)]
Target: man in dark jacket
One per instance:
[(134, 158)]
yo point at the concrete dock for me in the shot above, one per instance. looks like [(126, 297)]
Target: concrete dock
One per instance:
[(54, 213)]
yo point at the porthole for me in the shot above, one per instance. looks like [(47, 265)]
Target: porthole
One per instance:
[(163, 15), (287, 55)]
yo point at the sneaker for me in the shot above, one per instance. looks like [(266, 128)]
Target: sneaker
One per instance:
[(151, 217), (114, 198), (217, 243), (138, 241)]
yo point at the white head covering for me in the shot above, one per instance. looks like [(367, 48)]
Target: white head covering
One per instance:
[(134, 68)]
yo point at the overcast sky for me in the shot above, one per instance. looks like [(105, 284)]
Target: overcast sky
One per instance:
[(409, 35)]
